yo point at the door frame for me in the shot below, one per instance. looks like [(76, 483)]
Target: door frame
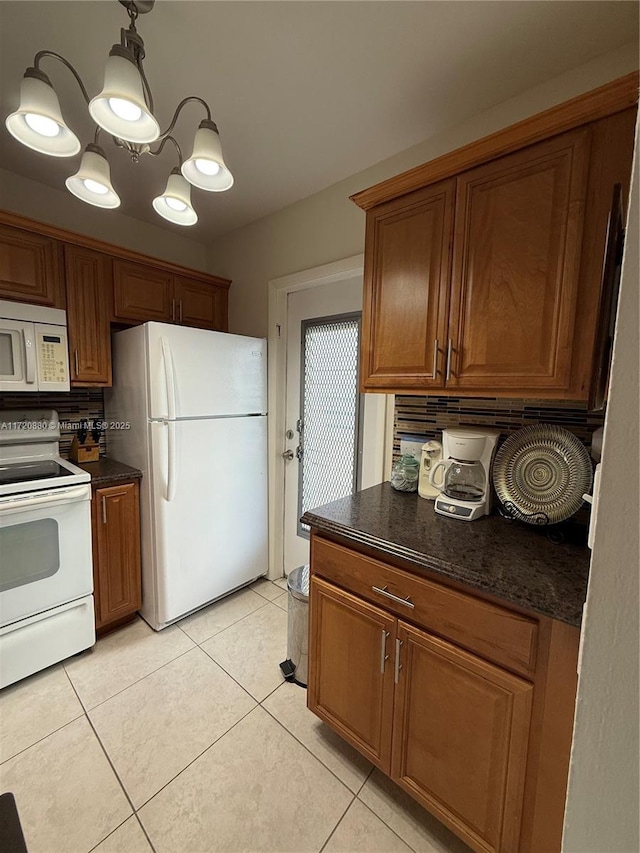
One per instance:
[(278, 291)]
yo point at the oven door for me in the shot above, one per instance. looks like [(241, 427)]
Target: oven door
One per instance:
[(45, 548), (17, 356)]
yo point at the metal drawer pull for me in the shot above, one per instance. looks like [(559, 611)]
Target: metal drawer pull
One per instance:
[(384, 591), (383, 649), (75, 358), (398, 666), (449, 350), (435, 358)]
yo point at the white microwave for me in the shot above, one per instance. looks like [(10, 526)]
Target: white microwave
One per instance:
[(34, 355)]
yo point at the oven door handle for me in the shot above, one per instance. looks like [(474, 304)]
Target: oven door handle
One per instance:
[(20, 503)]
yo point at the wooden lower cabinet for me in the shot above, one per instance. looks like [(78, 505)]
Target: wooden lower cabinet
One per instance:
[(460, 732), (484, 749), (353, 685), (116, 554)]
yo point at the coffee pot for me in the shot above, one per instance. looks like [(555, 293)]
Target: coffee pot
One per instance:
[(464, 484)]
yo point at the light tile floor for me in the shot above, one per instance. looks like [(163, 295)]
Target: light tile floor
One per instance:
[(189, 741)]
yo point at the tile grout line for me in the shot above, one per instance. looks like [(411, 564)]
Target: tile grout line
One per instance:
[(390, 828), (340, 819), (106, 755), (342, 782), (222, 630)]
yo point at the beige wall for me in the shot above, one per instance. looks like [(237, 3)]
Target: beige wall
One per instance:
[(58, 207), (327, 226), (604, 791)]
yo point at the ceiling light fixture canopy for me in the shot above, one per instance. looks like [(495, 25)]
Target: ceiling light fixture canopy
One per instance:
[(123, 109)]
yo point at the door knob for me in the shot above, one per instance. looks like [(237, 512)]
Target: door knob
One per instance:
[(288, 454)]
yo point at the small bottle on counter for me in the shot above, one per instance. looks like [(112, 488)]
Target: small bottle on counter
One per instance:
[(404, 475)]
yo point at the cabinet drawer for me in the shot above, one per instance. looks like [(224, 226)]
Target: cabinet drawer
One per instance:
[(497, 634)]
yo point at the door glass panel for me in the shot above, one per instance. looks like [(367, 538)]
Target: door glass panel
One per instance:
[(330, 406), (7, 367), (29, 552)]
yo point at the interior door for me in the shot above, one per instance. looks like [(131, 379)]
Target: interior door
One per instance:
[(210, 509), (320, 448)]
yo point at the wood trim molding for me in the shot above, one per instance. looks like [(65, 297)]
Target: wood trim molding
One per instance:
[(17, 221), (611, 98)]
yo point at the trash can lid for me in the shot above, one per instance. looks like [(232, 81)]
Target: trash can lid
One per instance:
[(298, 583)]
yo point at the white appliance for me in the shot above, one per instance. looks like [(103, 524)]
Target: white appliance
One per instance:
[(196, 403), (430, 455), (465, 486), (34, 355), (46, 571)]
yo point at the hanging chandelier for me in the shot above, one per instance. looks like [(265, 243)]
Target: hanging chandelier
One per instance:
[(124, 110)]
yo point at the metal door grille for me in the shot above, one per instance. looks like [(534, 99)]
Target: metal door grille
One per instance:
[(330, 411)]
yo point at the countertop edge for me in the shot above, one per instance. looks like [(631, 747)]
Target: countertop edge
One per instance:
[(426, 561)]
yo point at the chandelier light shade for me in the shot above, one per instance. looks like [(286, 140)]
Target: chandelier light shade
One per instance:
[(92, 181), (124, 110), (38, 122), (120, 108), (175, 202), (206, 168)]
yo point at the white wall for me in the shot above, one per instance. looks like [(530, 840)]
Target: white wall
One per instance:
[(327, 226), (57, 207), (604, 791)]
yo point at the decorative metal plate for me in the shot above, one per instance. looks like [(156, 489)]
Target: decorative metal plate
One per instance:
[(540, 474)]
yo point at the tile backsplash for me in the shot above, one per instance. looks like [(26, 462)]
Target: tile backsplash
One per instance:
[(427, 416), (72, 407)]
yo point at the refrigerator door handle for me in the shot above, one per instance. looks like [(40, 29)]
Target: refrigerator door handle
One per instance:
[(172, 475), (170, 378)]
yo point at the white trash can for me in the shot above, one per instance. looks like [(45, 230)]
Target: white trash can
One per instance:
[(295, 667)]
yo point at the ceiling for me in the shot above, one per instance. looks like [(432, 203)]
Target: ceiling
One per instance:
[(304, 93)]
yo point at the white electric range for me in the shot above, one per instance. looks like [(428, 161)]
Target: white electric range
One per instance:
[(46, 574)]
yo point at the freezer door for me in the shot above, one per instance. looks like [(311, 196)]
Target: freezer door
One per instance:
[(198, 373), (209, 512)]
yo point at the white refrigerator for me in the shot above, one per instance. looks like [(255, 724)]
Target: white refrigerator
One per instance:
[(188, 408)]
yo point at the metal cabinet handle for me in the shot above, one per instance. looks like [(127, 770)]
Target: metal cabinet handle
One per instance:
[(104, 510), (180, 309), (173, 310), (398, 665), (449, 351), (435, 358), (384, 591), (383, 649), (75, 359)]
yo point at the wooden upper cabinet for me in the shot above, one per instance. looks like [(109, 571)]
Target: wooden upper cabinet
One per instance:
[(516, 267), (200, 304), (351, 669), (88, 280), (142, 293), (406, 289), (30, 268), (461, 728)]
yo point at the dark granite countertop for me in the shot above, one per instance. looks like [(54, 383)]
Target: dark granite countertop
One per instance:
[(107, 470), (508, 560)]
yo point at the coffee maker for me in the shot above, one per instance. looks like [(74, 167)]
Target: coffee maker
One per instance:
[(465, 482)]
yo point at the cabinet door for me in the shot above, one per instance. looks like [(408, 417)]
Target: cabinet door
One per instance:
[(142, 293), (460, 736), (30, 268), (200, 304), (88, 279), (516, 265), (406, 290), (351, 670), (116, 552)]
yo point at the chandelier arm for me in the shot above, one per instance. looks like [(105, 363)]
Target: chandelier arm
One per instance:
[(147, 87), (179, 108), (162, 144), (43, 53)]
